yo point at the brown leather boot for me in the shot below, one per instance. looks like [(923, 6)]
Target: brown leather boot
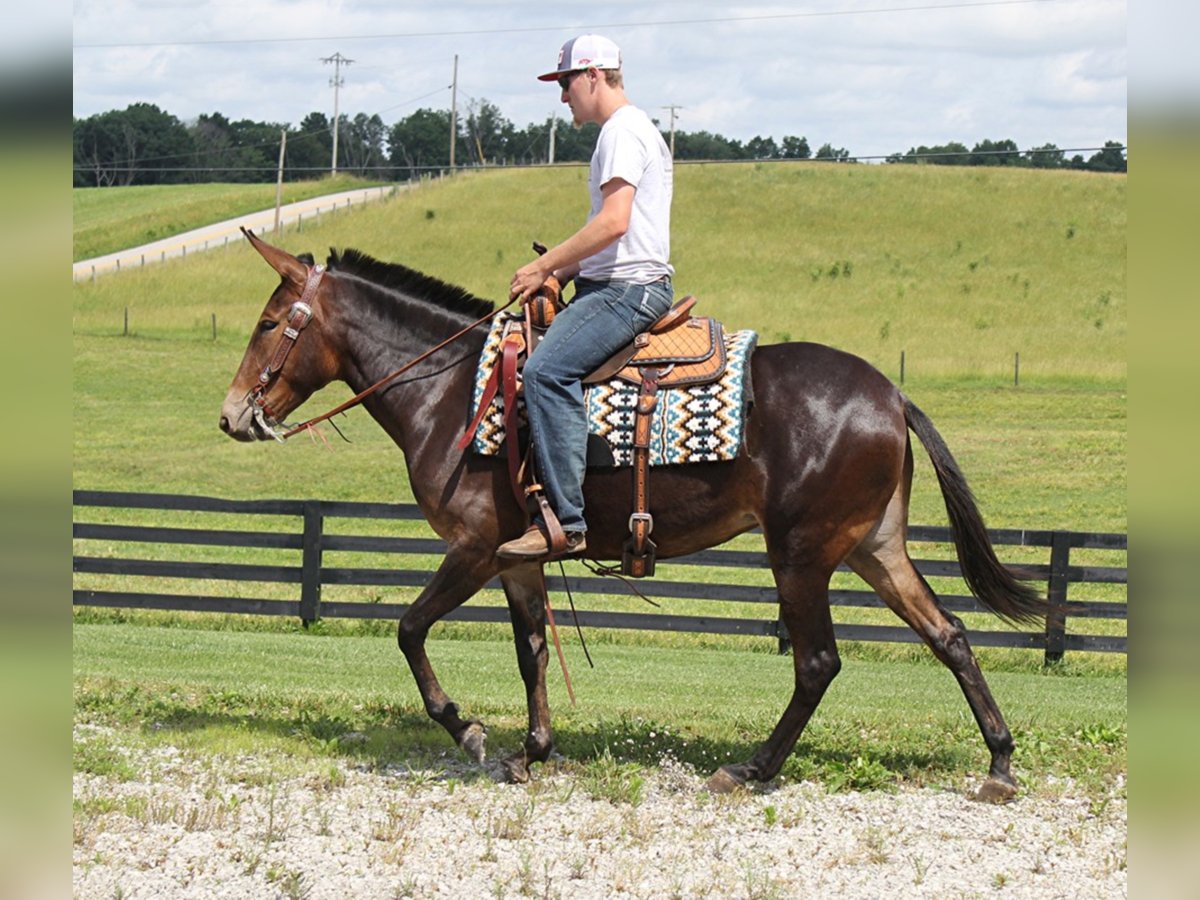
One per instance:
[(535, 545)]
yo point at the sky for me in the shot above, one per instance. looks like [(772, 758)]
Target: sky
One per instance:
[(874, 77)]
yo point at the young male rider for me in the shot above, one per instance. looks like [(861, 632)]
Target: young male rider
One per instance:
[(619, 260)]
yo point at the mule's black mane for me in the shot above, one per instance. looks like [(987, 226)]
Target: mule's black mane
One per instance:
[(410, 282)]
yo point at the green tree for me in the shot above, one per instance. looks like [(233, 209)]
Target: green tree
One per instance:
[(1047, 156), (310, 149), (706, 145), (1110, 159), (242, 151), (360, 145), (795, 148), (951, 154), (762, 148), (995, 153), (827, 151), (138, 145), (419, 143), (573, 144), (490, 136)]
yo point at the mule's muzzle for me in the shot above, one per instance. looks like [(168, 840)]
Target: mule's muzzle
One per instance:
[(239, 422)]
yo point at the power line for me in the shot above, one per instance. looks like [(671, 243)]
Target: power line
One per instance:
[(562, 28)]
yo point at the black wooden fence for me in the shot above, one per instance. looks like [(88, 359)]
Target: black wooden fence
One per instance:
[(308, 532)]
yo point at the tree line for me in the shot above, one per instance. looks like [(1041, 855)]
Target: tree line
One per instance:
[(143, 144)]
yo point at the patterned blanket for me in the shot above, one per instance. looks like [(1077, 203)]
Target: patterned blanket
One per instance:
[(697, 424)]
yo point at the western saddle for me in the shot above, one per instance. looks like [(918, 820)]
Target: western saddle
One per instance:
[(679, 350)]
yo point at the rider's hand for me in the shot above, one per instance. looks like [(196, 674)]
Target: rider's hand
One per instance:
[(527, 280)]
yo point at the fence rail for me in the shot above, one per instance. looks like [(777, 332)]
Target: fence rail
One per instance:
[(305, 532)]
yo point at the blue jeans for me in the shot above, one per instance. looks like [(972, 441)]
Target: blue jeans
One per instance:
[(601, 319)]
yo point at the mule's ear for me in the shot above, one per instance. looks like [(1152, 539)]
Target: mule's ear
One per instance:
[(289, 267)]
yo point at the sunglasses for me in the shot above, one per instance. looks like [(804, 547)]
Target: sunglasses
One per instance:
[(564, 81)]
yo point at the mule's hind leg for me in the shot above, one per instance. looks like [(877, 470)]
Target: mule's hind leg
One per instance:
[(804, 609), (882, 561), (463, 572), (523, 587)]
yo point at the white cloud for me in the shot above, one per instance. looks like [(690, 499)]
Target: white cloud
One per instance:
[(873, 83)]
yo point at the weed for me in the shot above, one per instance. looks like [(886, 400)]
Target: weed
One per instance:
[(272, 833), (391, 829), (859, 774), (605, 778), (511, 826), (999, 880), (920, 869), (95, 759), (770, 815), (874, 846)]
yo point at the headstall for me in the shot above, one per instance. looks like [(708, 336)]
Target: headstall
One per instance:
[(299, 316)]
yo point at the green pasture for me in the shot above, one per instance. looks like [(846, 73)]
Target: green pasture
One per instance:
[(110, 219), (310, 698), (960, 269), (925, 258)]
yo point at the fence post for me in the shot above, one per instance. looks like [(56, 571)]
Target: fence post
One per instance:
[(310, 567), (1056, 615), (785, 642)]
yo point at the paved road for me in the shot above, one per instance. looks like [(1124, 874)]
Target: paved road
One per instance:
[(219, 234)]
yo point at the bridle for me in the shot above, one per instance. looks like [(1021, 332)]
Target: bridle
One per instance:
[(299, 316)]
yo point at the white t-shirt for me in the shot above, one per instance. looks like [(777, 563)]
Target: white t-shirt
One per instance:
[(631, 148)]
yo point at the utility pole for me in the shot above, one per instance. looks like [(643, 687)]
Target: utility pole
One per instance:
[(553, 131), (672, 109), (279, 184), (336, 82), (453, 111)]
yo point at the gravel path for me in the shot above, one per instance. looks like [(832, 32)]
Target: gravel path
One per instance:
[(232, 828)]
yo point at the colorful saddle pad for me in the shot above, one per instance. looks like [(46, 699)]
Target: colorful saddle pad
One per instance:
[(701, 423)]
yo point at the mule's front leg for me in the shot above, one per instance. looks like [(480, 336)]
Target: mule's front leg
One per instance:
[(457, 579), (524, 587)]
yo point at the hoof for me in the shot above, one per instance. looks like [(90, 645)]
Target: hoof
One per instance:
[(722, 782), (515, 769), (472, 741), (996, 791)]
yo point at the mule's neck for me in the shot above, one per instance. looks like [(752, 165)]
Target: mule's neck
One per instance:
[(384, 331)]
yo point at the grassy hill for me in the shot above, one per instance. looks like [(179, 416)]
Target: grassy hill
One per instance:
[(110, 219), (959, 268)]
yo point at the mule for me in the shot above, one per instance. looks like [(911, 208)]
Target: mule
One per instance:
[(825, 472)]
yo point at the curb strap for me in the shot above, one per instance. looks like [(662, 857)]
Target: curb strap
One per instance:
[(637, 556)]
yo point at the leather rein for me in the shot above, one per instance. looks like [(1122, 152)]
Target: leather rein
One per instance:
[(299, 316)]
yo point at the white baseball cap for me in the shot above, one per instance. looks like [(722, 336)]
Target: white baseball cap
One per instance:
[(588, 51)]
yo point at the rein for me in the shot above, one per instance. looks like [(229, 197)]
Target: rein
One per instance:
[(303, 308)]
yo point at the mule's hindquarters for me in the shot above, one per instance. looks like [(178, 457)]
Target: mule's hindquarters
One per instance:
[(828, 437), (882, 561), (837, 477)]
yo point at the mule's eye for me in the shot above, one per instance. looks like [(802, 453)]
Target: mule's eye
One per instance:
[(267, 325)]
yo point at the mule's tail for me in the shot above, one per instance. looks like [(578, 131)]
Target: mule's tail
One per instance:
[(998, 587)]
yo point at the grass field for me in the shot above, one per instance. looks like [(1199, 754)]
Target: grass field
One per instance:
[(880, 723), (958, 268), (110, 219)]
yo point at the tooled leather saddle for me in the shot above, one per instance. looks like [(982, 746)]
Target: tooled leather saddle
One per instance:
[(676, 351)]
